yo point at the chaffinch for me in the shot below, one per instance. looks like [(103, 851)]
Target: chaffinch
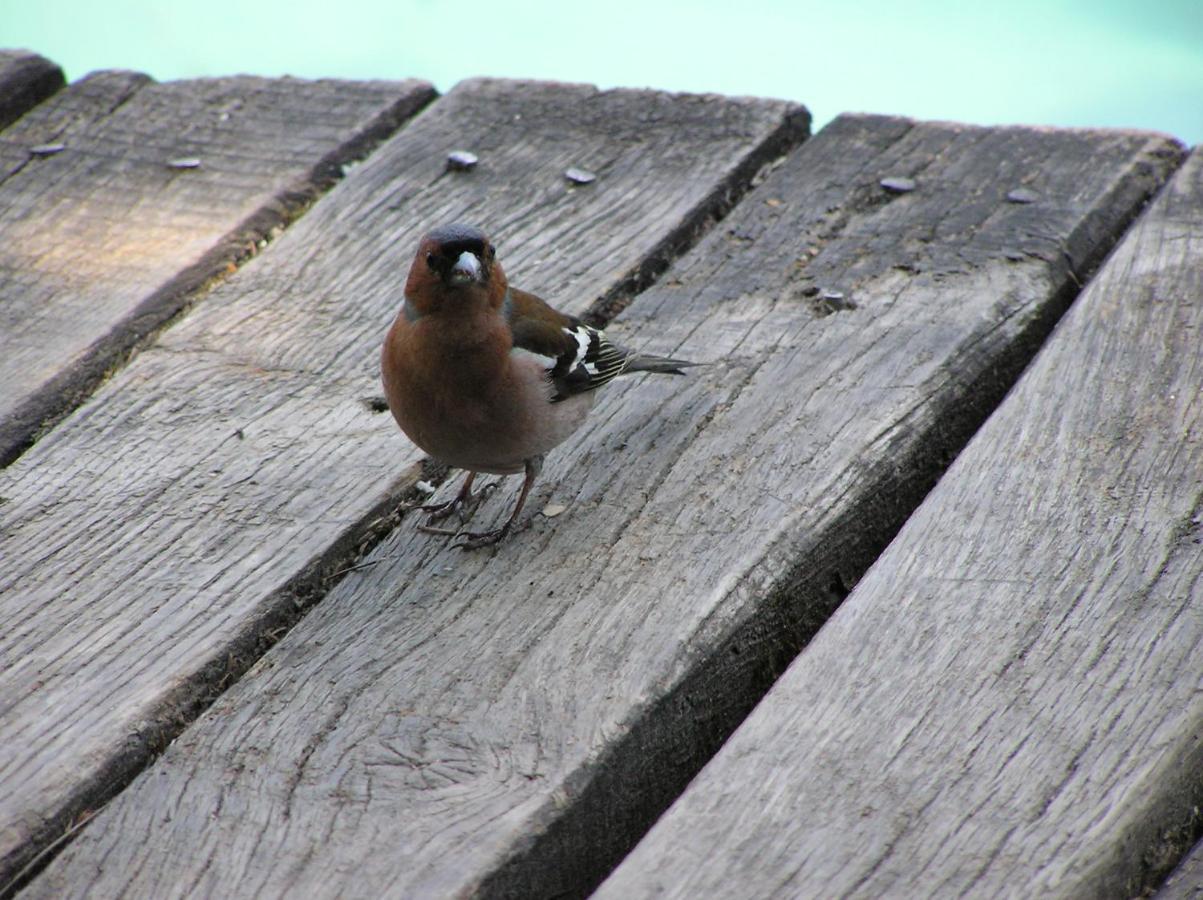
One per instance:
[(486, 377)]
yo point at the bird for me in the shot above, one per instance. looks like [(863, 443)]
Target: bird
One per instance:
[(488, 378)]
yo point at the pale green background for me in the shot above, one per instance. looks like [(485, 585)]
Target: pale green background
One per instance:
[(1061, 62)]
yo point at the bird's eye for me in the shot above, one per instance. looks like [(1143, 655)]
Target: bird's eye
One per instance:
[(430, 260)]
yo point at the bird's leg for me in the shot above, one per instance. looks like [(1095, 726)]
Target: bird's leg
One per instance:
[(443, 510), (471, 540), (464, 504)]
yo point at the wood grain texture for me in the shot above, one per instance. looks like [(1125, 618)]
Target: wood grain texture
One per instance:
[(1010, 702), (26, 79), (104, 242), (1186, 881), (166, 532), (449, 723)]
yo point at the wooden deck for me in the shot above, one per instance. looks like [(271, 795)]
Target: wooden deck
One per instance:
[(779, 644)]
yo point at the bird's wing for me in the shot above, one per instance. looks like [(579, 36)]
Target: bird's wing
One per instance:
[(578, 358)]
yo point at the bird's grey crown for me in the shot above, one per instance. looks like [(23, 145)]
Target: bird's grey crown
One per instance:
[(456, 238)]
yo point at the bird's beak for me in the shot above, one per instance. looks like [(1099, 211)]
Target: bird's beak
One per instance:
[(466, 269)]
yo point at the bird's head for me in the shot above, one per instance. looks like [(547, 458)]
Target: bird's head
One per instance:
[(455, 264)]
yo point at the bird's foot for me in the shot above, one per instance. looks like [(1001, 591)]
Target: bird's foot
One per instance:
[(462, 506), (471, 540), (427, 528)]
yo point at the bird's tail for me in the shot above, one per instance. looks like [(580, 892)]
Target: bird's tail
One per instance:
[(640, 363)]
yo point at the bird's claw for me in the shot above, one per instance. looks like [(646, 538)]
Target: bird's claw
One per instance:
[(471, 540), (434, 529), (439, 511), (464, 507)]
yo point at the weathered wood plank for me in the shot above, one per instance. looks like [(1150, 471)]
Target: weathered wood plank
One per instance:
[(79, 109), (104, 242), (1010, 702), (165, 533), (1186, 881), (26, 79), (447, 723)]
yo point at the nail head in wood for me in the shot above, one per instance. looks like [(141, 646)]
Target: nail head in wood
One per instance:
[(580, 176), (461, 160), (898, 184)]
